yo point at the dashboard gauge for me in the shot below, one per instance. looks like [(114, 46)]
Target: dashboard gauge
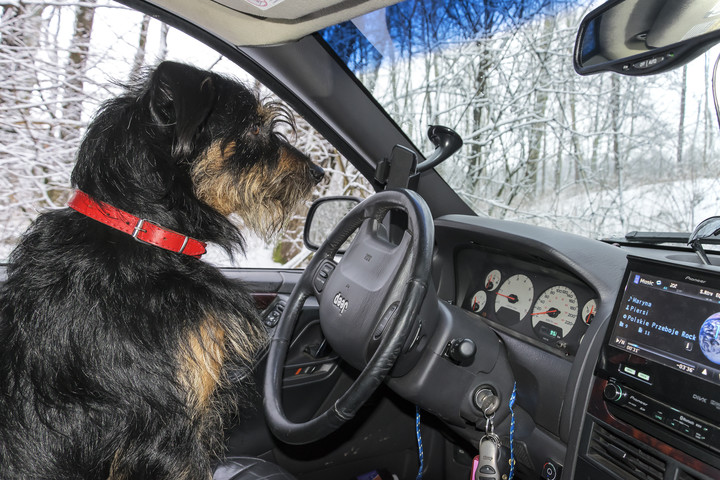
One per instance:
[(478, 301), (514, 299), (492, 280), (555, 312), (588, 311)]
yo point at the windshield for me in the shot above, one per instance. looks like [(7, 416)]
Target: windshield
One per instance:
[(599, 156)]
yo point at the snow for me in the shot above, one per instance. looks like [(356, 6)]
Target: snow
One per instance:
[(654, 193), (258, 254)]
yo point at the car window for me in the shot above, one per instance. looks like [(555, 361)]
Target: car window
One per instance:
[(60, 62), (599, 156)]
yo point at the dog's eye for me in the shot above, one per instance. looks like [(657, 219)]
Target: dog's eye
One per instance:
[(256, 129)]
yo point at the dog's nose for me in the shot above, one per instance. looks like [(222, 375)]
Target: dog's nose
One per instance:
[(317, 172)]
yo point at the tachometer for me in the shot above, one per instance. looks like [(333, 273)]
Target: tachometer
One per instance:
[(514, 298), (555, 312), (478, 301)]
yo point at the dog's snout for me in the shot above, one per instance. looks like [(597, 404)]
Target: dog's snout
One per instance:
[(317, 172)]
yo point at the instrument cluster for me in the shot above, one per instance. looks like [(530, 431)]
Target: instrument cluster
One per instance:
[(531, 299)]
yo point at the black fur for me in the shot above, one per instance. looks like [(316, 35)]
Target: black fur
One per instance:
[(106, 341)]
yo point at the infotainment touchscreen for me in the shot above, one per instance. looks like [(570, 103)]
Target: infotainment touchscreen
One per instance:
[(671, 321)]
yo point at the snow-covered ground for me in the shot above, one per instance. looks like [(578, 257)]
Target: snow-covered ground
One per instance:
[(662, 206), (258, 254)]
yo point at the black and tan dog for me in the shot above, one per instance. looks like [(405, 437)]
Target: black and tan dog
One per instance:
[(115, 339)]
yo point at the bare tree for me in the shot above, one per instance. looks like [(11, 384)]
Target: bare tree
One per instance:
[(139, 59)]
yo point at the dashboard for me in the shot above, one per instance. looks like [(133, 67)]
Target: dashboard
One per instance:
[(657, 379), (532, 300), (615, 349)]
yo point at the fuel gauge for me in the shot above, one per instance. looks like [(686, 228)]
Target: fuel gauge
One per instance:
[(588, 311), (478, 301), (492, 280)]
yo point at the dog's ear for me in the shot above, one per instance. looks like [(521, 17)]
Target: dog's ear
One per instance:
[(183, 95)]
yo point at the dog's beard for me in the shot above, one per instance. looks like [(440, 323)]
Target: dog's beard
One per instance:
[(264, 198)]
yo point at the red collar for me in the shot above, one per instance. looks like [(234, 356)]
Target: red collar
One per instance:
[(141, 230)]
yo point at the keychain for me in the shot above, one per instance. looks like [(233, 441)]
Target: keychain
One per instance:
[(491, 462)]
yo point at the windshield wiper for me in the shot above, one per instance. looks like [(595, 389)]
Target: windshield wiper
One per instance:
[(656, 238), (707, 232)]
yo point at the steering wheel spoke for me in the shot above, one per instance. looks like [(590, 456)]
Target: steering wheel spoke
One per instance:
[(371, 276)]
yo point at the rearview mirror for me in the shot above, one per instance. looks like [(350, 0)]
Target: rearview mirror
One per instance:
[(643, 37), (325, 213)]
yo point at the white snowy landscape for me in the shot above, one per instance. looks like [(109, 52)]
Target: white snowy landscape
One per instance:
[(599, 156)]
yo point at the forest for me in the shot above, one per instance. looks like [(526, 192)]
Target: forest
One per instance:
[(60, 61), (598, 155)]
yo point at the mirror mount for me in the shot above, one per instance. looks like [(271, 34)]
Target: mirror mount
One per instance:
[(708, 228), (402, 167), (446, 141)]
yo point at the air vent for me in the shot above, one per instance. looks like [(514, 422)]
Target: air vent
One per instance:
[(683, 475), (623, 458)]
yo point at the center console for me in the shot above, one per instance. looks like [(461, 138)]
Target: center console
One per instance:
[(655, 405)]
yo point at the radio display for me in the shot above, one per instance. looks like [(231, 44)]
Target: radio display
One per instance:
[(672, 321)]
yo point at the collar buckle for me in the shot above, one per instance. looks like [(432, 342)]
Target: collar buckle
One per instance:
[(138, 229)]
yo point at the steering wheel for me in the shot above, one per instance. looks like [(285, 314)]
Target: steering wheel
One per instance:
[(368, 302)]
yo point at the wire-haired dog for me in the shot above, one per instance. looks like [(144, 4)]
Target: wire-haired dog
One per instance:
[(116, 339)]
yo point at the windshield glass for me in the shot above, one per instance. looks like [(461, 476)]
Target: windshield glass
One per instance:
[(599, 155)]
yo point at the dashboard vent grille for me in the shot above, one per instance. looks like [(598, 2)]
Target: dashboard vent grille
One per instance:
[(683, 475), (623, 458)]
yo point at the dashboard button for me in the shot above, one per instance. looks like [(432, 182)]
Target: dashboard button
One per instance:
[(551, 470)]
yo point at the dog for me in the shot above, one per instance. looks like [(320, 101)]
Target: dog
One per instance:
[(119, 345)]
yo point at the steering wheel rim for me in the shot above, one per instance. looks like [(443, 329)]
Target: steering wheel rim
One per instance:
[(417, 267)]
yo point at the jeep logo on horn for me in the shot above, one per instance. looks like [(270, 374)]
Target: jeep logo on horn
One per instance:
[(340, 302)]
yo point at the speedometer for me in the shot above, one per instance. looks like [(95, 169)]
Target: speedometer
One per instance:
[(514, 299), (555, 312)]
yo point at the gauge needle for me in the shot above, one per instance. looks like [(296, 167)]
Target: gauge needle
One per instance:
[(592, 312), (512, 298), (548, 312)]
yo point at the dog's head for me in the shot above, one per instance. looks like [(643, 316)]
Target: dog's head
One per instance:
[(194, 135)]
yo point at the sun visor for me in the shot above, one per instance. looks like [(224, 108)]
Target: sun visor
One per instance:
[(293, 11)]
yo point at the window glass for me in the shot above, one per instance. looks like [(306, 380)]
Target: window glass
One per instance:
[(600, 155), (60, 61)]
